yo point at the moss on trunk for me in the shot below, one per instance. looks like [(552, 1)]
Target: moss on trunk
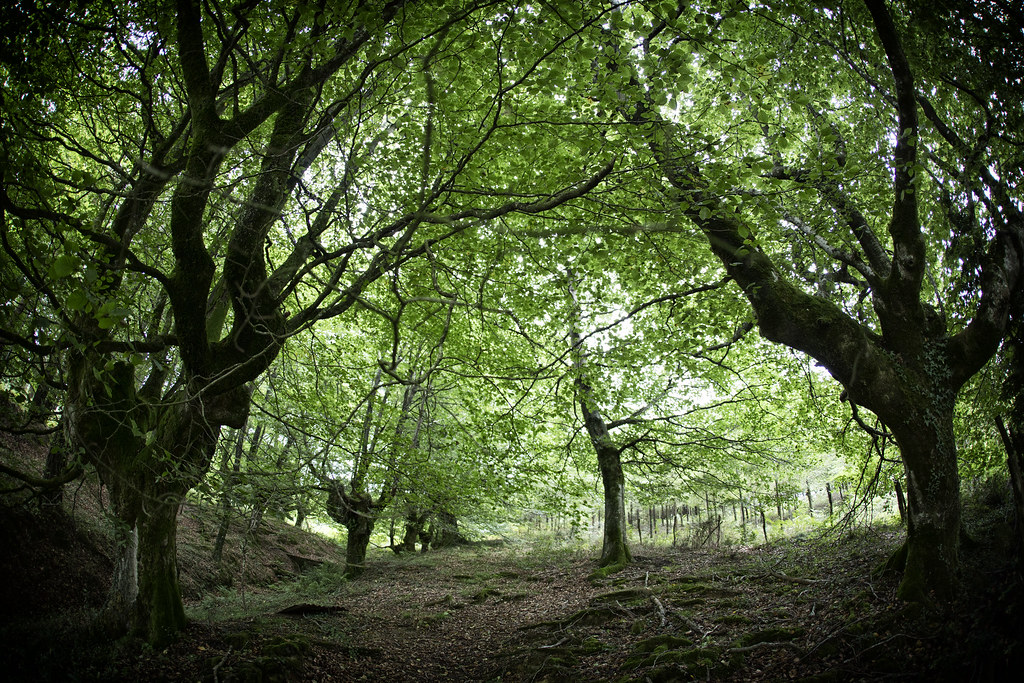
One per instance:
[(927, 446), (161, 613), (615, 549), (359, 531)]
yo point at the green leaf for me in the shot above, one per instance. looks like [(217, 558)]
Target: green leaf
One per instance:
[(64, 266), (77, 301)]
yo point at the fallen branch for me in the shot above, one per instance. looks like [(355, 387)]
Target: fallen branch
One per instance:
[(219, 664), (690, 623), (661, 610), (548, 647)]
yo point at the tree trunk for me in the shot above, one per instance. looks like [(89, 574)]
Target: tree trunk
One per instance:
[(360, 528), (147, 480), (446, 531), (901, 500), (228, 477), (929, 457), (358, 514), (614, 549), (1015, 464), (415, 520), (119, 611), (161, 613), (56, 461)]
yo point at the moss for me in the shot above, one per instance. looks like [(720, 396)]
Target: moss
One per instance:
[(771, 635), (515, 597), (590, 616), (734, 603), (666, 641), (286, 646), (605, 572), (238, 640), (630, 596), (690, 587), (482, 595), (894, 564), (690, 602), (592, 645), (698, 660)]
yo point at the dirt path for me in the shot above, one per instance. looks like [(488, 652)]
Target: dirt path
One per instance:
[(446, 619), (765, 614), (449, 615)]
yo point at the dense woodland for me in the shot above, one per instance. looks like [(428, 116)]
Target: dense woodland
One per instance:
[(430, 274)]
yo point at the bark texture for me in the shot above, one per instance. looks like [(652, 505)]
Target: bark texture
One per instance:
[(614, 547)]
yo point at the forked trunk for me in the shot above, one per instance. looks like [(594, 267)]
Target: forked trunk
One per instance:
[(445, 531), (145, 598), (358, 513), (415, 523)]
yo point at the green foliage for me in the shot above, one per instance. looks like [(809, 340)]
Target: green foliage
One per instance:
[(370, 216)]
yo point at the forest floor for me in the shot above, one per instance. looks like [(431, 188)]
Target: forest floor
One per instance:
[(805, 609), (808, 609)]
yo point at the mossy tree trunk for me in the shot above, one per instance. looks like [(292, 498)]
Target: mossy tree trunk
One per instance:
[(902, 363), (161, 613), (415, 529), (358, 512), (148, 456), (928, 450), (120, 607), (360, 528), (614, 547), (445, 531)]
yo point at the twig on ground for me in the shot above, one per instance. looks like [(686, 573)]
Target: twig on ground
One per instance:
[(220, 664), (548, 647), (661, 610)]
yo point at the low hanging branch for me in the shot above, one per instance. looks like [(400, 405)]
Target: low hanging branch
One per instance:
[(38, 483)]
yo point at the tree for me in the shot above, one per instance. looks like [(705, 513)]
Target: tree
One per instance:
[(186, 190), (615, 552), (776, 185)]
